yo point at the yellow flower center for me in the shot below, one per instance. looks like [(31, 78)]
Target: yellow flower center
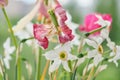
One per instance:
[(63, 55), (100, 49)]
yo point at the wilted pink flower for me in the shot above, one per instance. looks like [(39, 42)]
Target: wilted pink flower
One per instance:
[(61, 14), (40, 33), (90, 22), (65, 35), (3, 3)]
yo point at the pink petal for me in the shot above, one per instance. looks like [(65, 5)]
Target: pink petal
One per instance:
[(61, 14), (40, 34), (43, 10), (66, 36), (43, 42), (107, 17)]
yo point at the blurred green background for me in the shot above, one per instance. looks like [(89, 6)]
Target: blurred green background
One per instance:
[(78, 9)]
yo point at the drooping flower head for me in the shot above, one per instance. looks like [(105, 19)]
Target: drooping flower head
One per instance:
[(94, 21), (3, 3), (66, 34)]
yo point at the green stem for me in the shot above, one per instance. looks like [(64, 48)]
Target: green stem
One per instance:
[(3, 69), (19, 69), (74, 74), (18, 66), (87, 67), (10, 27), (54, 19), (38, 65), (93, 31)]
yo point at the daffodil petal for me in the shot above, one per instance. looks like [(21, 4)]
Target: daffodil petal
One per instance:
[(98, 58), (54, 66), (91, 43), (50, 55), (71, 57), (65, 66), (92, 53)]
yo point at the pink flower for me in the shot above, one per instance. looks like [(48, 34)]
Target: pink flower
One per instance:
[(40, 33), (3, 3), (90, 22), (61, 14), (66, 35)]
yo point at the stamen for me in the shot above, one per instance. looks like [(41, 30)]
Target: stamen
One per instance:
[(63, 55), (100, 49)]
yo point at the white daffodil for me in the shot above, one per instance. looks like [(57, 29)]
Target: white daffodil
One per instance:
[(97, 52), (115, 52), (102, 22), (60, 55), (8, 50), (26, 19)]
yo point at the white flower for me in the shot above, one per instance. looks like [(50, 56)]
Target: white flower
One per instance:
[(102, 22), (97, 52), (60, 55), (8, 50), (116, 53)]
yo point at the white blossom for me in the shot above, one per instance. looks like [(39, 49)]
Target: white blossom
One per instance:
[(97, 52), (8, 50), (60, 55)]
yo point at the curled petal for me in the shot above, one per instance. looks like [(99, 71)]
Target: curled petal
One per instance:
[(61, 14), (40, 34), (67, 35), (43, 42)]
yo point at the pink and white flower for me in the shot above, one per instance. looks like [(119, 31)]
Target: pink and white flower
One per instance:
[(94, 21)]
